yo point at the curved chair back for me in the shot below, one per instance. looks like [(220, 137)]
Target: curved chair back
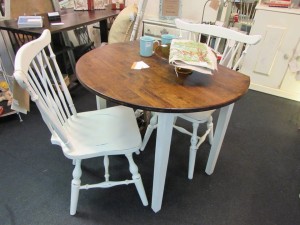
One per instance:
[(230, 45), (36, 70)]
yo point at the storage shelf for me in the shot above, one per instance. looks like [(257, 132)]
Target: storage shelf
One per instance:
[(7, 110)]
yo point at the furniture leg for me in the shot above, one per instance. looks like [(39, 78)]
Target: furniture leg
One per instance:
[(106, 166), (75, 186), (136, 177), (210, 126), (150, 128), (101, 103), (162, 149), (193, 151), (221, 128), (103, 30)]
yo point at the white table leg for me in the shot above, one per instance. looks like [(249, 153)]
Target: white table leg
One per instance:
[(221, 128), (101, 103), (162, 149)]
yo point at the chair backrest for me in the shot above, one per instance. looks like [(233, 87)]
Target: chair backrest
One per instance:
[(36, 70), (246, 10), (82, 35), (231, 44)]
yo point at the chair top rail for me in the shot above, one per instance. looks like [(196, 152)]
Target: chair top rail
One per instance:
[(217, 31)]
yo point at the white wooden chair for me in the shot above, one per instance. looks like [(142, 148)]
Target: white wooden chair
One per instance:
[(245, 9), (231, 47), (111, 131)]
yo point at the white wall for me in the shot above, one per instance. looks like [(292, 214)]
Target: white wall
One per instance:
[(191, 10)]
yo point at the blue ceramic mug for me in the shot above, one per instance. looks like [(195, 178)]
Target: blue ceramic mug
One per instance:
[(167, 38), (146, 46)]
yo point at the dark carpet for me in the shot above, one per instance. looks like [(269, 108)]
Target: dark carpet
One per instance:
[(256, 180)]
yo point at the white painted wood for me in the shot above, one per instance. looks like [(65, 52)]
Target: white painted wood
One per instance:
[(291, 92), (232, 57), (106, 166), (75, 186), (110, 131), (268, 52), (267, 62), (136, 177), (234, 41), (162, 150), (101, 103), (141, 8), (155, 28), (223, 120), (152, 125), (193, 151)]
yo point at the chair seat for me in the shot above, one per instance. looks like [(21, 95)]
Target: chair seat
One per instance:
[(110, 131), (198, 116)]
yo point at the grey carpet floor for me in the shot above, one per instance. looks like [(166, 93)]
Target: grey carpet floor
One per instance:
[(256, 180)]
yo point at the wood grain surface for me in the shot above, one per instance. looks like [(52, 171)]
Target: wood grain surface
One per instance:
[(106, 71), (71, 19)]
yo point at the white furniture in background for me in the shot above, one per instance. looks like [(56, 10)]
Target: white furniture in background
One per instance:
[(155, 28), (268, 62), (139, 17), (111, 131), (191, 10), (232, 58)]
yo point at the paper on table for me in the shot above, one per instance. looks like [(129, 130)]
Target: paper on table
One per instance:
[(139, 65), (57, 24)]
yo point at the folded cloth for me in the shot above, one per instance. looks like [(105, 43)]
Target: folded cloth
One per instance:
[(20, 101), (192, 55)]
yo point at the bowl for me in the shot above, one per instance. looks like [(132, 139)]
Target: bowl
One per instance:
[(162, 51), (183, 72)]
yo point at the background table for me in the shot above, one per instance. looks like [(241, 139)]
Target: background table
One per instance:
[(107, 72), (71, 19)]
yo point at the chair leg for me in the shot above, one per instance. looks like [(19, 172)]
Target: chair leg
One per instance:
[(152, 125), (193, 151), (136, 177), (210, 125), (75, 186), (106, 165), (101, 103)]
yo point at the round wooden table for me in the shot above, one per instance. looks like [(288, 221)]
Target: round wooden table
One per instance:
[(107, 72)]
